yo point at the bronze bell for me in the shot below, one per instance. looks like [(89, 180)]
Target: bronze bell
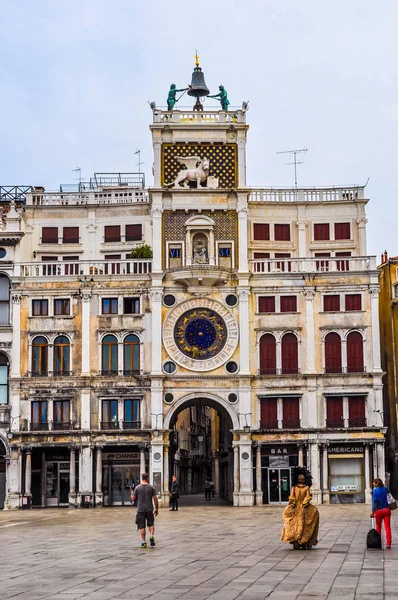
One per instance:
[(198, 88)]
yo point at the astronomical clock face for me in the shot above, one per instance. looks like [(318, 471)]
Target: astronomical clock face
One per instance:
[(200, 334)]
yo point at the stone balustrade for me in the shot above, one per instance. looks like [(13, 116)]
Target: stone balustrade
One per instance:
[(313, 265), (85, 268), (189, 116), (333, 194), (121, 196)]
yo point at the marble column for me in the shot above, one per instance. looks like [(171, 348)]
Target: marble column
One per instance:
[(315, 472), (374, 311), (368, 487), (310, 331), (16, 336), (362, 236), (244, 334), (300, 456), (236, 477), (302, 242), (166, 476), (259, 491), (156, 301), (28, 472), (243, 212), (142, 460), (85, 328), (98, 478), (156, 214), (325, 475), (72, 477), (217, 474)]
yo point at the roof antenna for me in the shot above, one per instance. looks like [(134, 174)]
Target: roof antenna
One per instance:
[(139, 163), (295, 162)]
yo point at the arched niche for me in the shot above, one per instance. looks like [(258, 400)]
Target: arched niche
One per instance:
[(200, 247)]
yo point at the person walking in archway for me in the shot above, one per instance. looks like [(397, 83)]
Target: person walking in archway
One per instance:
[(174, 493), (145, 495), (207, 488)]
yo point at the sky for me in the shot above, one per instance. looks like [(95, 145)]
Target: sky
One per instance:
[(76, 77)]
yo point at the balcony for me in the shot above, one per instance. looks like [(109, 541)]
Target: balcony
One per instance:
[(62, 426), (269, 424), (357, 421), (85, 268), (39, 426), (326, 194), (110, 425), (279, 266), (200, 275), (131, 424), (335, 423), (284, 371), (193, 117)]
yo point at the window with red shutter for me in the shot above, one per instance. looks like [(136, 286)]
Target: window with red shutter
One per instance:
[(342, 231), (353, 302), (334, 411), (112, 233), (133, 233), (356, 411), (321, 231), (291, 413), (261, 231), (333, 353), (288, 303), (266, 304), (331, 303), (342, 265), (49, 235), (269, 413), (282, 233), (289, 354), (355, 352), (267, 354), (70, 235)]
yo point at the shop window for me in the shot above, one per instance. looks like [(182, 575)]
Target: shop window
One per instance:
[(353, 302), (269, 413), (333, 353), (61, 355), (109, 355), (70, 235), (283, 265), (282, 233), (133, 233), (322, 265), (342, 231), (342, 265), (114, 267), (39, 420), (112, 233), (39, 356), (40, 308), (355, 353), (267, 354), (289, 354), (3, 379), (357, 411), (109, 306), (291, 413), (131, 306), (4, 300), (131, 346), (61, 416), (321, 231), (49, 235), (61, 307), (331, 303), (131, 414), (266, 304), (109, 414), (261, 231), (334, 411), (288, 303), (345, 475), (71, 269)]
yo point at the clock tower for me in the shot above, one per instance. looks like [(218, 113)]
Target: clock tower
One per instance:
[(200, 279)]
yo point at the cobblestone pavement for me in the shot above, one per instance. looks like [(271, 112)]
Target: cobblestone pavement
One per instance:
[(203, 552)]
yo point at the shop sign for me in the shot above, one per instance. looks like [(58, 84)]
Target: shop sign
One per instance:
[(133, 456), (343, 488), (279, 450), (346, 449)]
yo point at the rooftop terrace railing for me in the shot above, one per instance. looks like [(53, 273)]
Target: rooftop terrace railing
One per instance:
[(312, 265), (88, 268), (189, 116), (327, 194), (119, 196)]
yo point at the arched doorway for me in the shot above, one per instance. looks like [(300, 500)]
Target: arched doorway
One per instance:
[(3, 453), (200, 445)]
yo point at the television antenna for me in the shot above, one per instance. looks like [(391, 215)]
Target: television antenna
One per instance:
[(139, 163), (295, 161), (78, 170)]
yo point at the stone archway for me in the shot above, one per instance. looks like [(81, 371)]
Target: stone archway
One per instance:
[(200, 445)]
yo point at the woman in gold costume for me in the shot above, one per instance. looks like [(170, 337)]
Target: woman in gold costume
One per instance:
[(301, 518)]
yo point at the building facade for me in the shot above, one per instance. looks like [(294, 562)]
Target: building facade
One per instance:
[(257, 311)]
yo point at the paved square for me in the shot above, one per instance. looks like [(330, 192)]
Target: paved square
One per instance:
[(203, 552)]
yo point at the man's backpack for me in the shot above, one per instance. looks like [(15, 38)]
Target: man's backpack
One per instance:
[(373, 538)]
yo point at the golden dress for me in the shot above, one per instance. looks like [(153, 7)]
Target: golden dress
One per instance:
[(301, 518)]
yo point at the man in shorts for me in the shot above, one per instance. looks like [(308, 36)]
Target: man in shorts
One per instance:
[(145, 496)]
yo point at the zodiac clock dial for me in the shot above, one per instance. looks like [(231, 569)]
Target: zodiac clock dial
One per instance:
[(200, 334)]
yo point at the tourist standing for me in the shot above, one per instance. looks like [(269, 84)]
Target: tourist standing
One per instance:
[(145, 497), (380, 510), (301, 518), (174, 493)]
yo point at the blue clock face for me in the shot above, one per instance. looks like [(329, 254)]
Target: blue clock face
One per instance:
[(200, 333)]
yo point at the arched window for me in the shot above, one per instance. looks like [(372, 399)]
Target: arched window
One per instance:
[(289, 353), (3, 379), (131, 354), (109, 355), (333, 353), (61, 355), (267, 354), (355, 353), (39, 356), (4, 300)]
